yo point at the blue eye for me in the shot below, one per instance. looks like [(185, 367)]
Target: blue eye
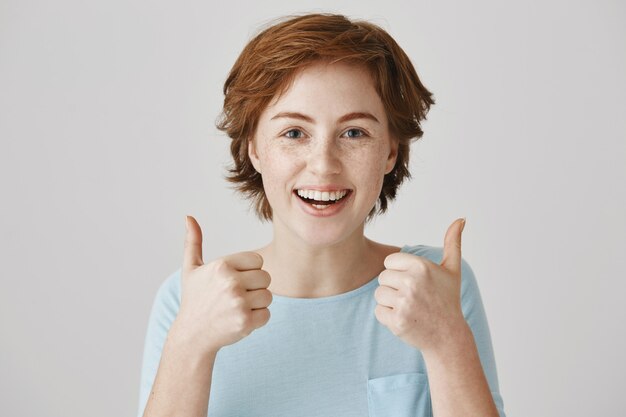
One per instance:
[(359, 132), (287, 133), (298, 134)]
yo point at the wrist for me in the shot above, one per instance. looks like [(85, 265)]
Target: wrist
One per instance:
[(182, 337), (455, 340)]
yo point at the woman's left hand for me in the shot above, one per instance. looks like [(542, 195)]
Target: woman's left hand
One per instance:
[(420, 301)]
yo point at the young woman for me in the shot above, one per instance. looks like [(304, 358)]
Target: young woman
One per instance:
[(321, 321)]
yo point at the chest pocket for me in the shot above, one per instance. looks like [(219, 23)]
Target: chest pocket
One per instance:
[(401, 395)]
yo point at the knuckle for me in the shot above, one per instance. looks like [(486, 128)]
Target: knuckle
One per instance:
[(242, 321), (232, 284), (238, 303), (226, 288), (420, 266), (400, 325), (403, 306), (414, 288), (219, 265)]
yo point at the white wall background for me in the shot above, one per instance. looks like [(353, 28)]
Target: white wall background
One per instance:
[(107, 142)]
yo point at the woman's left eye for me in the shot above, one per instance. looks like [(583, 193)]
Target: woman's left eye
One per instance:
[(297, 131), (356, 133)]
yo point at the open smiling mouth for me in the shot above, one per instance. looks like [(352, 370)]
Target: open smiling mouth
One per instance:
[(316, 200)]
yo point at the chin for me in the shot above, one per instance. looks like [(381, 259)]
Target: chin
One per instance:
[(318, 232)]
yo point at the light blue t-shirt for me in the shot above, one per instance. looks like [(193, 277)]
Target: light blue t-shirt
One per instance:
[(321, 357)]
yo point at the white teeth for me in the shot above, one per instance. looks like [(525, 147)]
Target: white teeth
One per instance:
[(338, 195), (322, 195)]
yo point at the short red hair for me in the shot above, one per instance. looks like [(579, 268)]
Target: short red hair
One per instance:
[(267, 66)]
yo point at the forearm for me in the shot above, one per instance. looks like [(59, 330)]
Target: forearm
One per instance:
[(183, 381), (458, 385)]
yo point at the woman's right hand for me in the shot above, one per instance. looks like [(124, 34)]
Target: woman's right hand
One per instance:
[(223, 301)]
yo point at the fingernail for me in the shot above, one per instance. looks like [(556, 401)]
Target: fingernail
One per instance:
[(187, 223), (463, 224)]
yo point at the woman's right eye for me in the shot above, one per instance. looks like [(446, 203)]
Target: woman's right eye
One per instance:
[(298, 133)]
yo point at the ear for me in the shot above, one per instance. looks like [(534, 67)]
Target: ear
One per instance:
[(393, 155), (253, 155)]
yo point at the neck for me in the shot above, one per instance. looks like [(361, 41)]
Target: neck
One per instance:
[(299, 269)]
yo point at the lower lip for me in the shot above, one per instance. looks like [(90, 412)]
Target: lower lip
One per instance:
[(329, 210)]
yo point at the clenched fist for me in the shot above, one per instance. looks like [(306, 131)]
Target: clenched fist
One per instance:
[(223, 301), (420, 301)]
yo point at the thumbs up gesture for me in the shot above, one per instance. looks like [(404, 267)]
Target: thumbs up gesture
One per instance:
[(222, 301), (420, 301)]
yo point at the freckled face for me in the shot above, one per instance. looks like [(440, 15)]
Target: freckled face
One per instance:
[(330, 127)]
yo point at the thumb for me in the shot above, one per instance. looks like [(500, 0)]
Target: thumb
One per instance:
[(452, 247), (192, 256)]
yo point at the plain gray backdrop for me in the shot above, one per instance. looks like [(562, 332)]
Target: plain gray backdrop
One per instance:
[(107, 114)]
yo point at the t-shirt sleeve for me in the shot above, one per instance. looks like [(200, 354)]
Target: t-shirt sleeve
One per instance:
[(474, 313), (164, 310)]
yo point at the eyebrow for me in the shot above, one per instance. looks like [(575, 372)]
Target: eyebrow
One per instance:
[(344, 118)]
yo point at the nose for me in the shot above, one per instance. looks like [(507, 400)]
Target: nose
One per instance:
[(324, 157)]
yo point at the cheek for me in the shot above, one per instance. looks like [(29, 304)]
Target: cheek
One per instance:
[(374, 163), (281, 164), (279, 172), (371, 172)]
